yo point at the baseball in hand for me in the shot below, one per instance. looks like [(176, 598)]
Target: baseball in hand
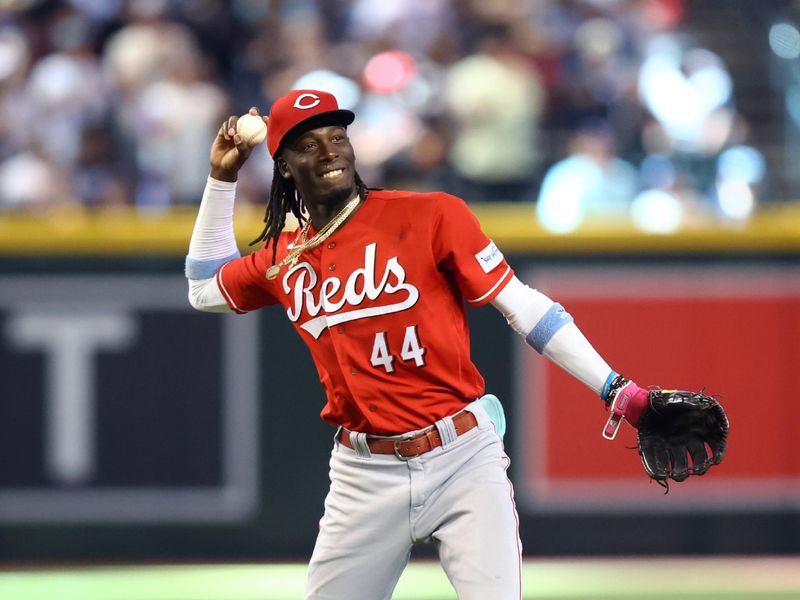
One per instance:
[(252, 129)]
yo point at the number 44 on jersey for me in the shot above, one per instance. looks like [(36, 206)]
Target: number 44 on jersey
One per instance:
[(410, 350)]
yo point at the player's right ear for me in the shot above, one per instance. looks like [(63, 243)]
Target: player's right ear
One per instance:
[(283, 167)]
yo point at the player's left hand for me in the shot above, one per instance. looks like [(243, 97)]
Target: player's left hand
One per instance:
[(673, 426)]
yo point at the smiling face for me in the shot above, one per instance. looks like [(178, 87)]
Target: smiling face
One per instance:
[(321, 162)]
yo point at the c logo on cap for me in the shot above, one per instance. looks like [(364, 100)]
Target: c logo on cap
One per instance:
[(299, 102)]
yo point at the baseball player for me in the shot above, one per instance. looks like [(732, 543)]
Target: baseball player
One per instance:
[(375, 283)]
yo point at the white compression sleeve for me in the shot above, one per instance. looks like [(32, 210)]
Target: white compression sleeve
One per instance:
[(571, 351), (522, 306), (550, 330), (205, 295), (212, 237), (212, 244)]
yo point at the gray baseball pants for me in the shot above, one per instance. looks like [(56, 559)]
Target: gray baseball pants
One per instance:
[(457, 496)]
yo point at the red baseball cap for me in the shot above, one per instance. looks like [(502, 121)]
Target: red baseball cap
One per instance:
[(300, 111)]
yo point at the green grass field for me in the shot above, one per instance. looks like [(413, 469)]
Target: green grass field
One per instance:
[(649, 579)]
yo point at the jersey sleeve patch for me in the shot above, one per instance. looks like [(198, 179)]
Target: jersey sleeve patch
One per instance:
[(489, 257)]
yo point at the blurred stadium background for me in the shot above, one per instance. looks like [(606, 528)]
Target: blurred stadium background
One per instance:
[(635, 159)]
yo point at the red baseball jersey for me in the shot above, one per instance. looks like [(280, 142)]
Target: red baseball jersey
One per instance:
[(381, 306)]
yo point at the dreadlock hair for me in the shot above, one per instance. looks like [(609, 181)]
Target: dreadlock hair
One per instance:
[(283, 198)]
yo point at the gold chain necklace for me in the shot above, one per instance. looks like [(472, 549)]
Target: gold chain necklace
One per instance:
[(319, 237)]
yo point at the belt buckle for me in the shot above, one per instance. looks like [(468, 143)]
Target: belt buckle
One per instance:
[(396, 448)]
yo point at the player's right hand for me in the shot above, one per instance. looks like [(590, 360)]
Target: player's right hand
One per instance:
[(229, 151)]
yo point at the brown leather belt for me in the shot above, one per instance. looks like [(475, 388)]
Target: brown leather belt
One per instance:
[(423, 442)]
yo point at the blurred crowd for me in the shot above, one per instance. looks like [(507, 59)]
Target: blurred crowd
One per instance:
[(586, 109)]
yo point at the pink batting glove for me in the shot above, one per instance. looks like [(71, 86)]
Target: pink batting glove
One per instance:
[(628, 402)]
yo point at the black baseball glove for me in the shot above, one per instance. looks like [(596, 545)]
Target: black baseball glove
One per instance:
[(679, 433)]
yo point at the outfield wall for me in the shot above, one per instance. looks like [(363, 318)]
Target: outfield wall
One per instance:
[(135, 428)]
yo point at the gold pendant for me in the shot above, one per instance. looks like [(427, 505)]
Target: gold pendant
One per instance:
[(273, 271)]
